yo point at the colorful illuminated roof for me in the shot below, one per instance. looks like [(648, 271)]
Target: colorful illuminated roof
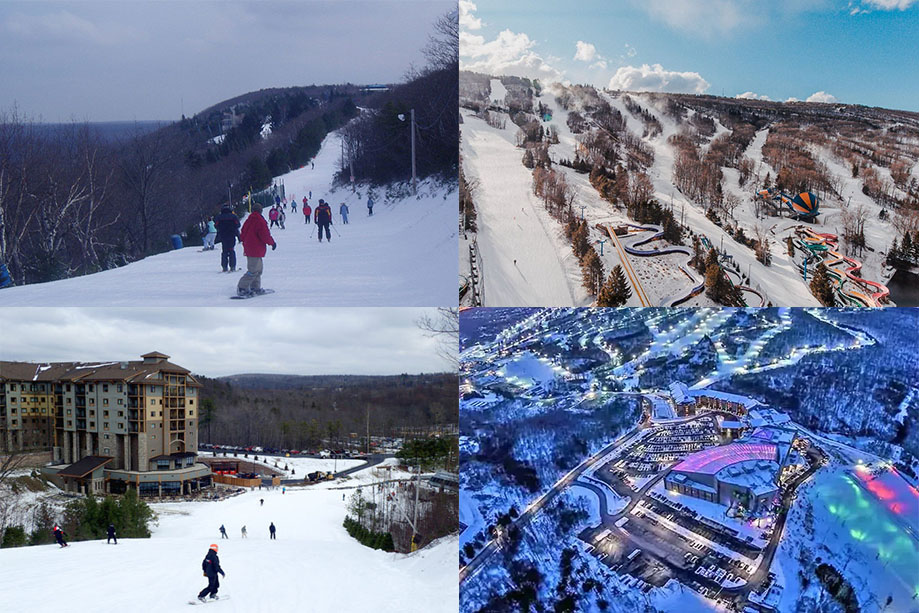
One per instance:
[(710, 461)]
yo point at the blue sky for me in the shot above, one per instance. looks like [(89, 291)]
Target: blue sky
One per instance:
[(853, 51), (107, 60)]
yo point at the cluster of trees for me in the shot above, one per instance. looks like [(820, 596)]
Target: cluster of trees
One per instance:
[(616, 291), (651, 123), (537, 155), (369, 538), (553, 189), (87, 519), (698, 178), (466, 201), (431, 453), (822, 286), (906, 252), (305, 412), (379, 143), (786, 150), (717, 285)]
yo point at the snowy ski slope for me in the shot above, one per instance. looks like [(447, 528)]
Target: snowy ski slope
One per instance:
[(404, 255), (312, 566)]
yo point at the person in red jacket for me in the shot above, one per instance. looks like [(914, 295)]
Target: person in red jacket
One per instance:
[(307, 211), (255, 237)]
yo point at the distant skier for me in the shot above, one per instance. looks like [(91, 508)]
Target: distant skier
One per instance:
[(227, 233), (59, 535), (281, 217), (283, 490), (272, 530), (262, 502), (277, 200), (243, 531), (307, 211), (343, 211), (370, 206), (223, 532), (255, 237), (312, 165), (210, 236), (324, 219), (111, 534), (293, 204), (273, 215), (211, 567)]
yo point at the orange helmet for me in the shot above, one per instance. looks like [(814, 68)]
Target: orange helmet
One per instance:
[(214, 547)]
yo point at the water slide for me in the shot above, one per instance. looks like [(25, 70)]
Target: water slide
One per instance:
[(698, 284), (805, 205), (841, 269)]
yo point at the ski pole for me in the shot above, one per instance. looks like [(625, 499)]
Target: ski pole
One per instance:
[(334, 228)]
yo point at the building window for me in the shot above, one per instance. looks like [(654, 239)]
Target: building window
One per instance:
[(69, 423), (105, 436), (69, 401), (120, 387), (69, 411), (104, 413), (105, 450), (105, 402), (67, 387), (191, 402), (120, 426), (13, 399), (120, 401), (120, 413), (92, 413), (92, 387), (105, 387)]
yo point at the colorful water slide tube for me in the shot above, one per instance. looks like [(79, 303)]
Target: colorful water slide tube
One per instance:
[(805, 204), (843, 269), (698, 284)]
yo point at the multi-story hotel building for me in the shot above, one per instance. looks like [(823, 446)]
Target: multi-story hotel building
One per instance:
[(107, 425)]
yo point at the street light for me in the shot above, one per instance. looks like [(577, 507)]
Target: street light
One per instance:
[(414, 177)]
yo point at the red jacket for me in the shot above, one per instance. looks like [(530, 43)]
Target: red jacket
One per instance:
[(307, 210), (255, 236)]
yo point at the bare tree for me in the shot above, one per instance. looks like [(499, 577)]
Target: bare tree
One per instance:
[(445, 328)]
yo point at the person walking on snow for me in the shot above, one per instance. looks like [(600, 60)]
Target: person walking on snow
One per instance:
[(210, 236), (111, 534), (223, 532), (307, 211), (227, 233), (273, 216), (370, 206), (244, 535), (343, 211), (59, 535), (271, 530), (293, 204), (324, 219), (255, 237), (211, 567)]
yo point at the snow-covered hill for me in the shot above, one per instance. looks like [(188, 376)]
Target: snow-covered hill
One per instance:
[(405, 254), (312, 566)]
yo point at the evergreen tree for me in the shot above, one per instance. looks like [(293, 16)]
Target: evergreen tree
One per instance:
[(616, 290), (822, 287), (592, 267), (791, 245)]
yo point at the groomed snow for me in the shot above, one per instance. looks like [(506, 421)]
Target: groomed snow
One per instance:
[(404, 255), (313, 565)]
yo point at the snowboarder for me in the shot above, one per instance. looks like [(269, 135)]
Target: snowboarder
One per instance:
[(271, 530), (210, 236), (307, 211), (324, 219), (244, 535), (59, 535), (223, 532), (211, 566), (343, 211), (227, 233), (111, 534), (273, 216), (255, 236), (370, 206)]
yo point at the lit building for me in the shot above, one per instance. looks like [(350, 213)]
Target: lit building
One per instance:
[(107, 425)]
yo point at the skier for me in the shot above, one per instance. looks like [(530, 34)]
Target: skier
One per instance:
[(283, 490), (281, 217), (210, 236), (211, 566), (255, 236), (277, 200), (324, 219), (271, 529), (293, 204), (262, 501), (273, 216), (307, 211), (244, 535), (59, 535), (223, 532), (111, 534), (370, 206), (343, 211), (227, 232)]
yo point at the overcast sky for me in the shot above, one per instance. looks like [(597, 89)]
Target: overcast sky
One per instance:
[(220, 341), (137, 60)]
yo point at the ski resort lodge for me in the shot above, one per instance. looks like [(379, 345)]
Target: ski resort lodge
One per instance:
[(108, 426)]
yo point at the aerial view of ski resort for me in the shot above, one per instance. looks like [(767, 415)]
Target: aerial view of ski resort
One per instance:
[(677, 459), (645, 165)]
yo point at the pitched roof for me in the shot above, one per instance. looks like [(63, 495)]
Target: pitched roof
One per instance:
[(132, 372), (85, 466)]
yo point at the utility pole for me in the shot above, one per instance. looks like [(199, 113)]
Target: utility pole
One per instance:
[(602, 241), (414, 177), (582, 211), (415, 520), (368, 430)]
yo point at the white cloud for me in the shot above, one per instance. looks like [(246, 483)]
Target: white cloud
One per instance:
[(466, 18), (792, 99), (511, 53), (889, 5), (586, 52), (704, 18), (821, 96), (654, 78), (599, 64), (630, 50), (752, 96)]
